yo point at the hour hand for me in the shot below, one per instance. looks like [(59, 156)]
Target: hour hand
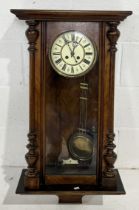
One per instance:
[(70, 48), (72, 53), (75, 44)]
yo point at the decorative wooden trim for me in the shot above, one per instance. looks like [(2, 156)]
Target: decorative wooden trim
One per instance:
[(109, 155), (70, 15), (70, 198), (113, 35), (32, 155), (32, 35), (66, 189)]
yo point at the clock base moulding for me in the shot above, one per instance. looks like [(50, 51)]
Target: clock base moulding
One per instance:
[(73, 194)]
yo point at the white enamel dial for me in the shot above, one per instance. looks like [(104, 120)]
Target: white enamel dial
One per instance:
[(73, 54)]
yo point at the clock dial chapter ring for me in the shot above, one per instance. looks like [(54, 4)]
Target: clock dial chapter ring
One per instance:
[(72, 57)]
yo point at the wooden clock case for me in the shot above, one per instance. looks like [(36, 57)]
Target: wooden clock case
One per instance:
[(54, 113)]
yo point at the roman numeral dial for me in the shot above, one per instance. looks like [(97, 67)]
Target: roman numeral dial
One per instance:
[(72, 54), (86, 61)]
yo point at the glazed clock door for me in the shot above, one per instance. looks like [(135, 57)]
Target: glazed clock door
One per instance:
[(71, 94)]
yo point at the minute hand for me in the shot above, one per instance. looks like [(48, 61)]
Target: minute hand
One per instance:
[(74, 46), (72, 53), (70, 49)]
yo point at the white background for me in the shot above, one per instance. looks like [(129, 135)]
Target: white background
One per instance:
[(14, 79)]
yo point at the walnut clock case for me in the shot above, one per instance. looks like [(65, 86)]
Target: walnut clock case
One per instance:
[(72, 67)]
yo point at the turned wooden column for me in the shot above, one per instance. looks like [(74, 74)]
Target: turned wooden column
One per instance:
[(109, 154), (31, 175)]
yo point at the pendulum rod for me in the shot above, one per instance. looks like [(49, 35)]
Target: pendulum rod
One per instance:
[(83, 106)]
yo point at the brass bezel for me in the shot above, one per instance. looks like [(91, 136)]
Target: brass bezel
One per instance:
[(73, 154)]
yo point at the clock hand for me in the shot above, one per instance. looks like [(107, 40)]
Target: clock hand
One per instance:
[(74, 45), (70, 50), (72, 53), (75, 59)]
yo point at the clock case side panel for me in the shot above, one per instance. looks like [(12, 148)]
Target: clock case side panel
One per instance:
[(104, 78), (102, 105), (44, 66), (34, 174), (107, 174)]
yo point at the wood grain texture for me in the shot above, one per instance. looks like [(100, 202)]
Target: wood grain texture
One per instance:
[(32, 155), (71, 15), (74, 179), (110, 156), (68, 190)]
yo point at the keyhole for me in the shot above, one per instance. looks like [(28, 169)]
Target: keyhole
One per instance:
[(78, 57)]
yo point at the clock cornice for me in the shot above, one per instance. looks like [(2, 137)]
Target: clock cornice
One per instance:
[(71, 15)]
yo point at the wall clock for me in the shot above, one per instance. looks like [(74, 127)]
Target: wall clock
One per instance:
[(72, 58)]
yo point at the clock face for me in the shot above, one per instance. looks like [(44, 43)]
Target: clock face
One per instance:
[(72, 54)]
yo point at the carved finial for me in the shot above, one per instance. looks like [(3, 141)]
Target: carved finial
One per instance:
[(109, 156), (31, 156), (113, 35), (32, 34)]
